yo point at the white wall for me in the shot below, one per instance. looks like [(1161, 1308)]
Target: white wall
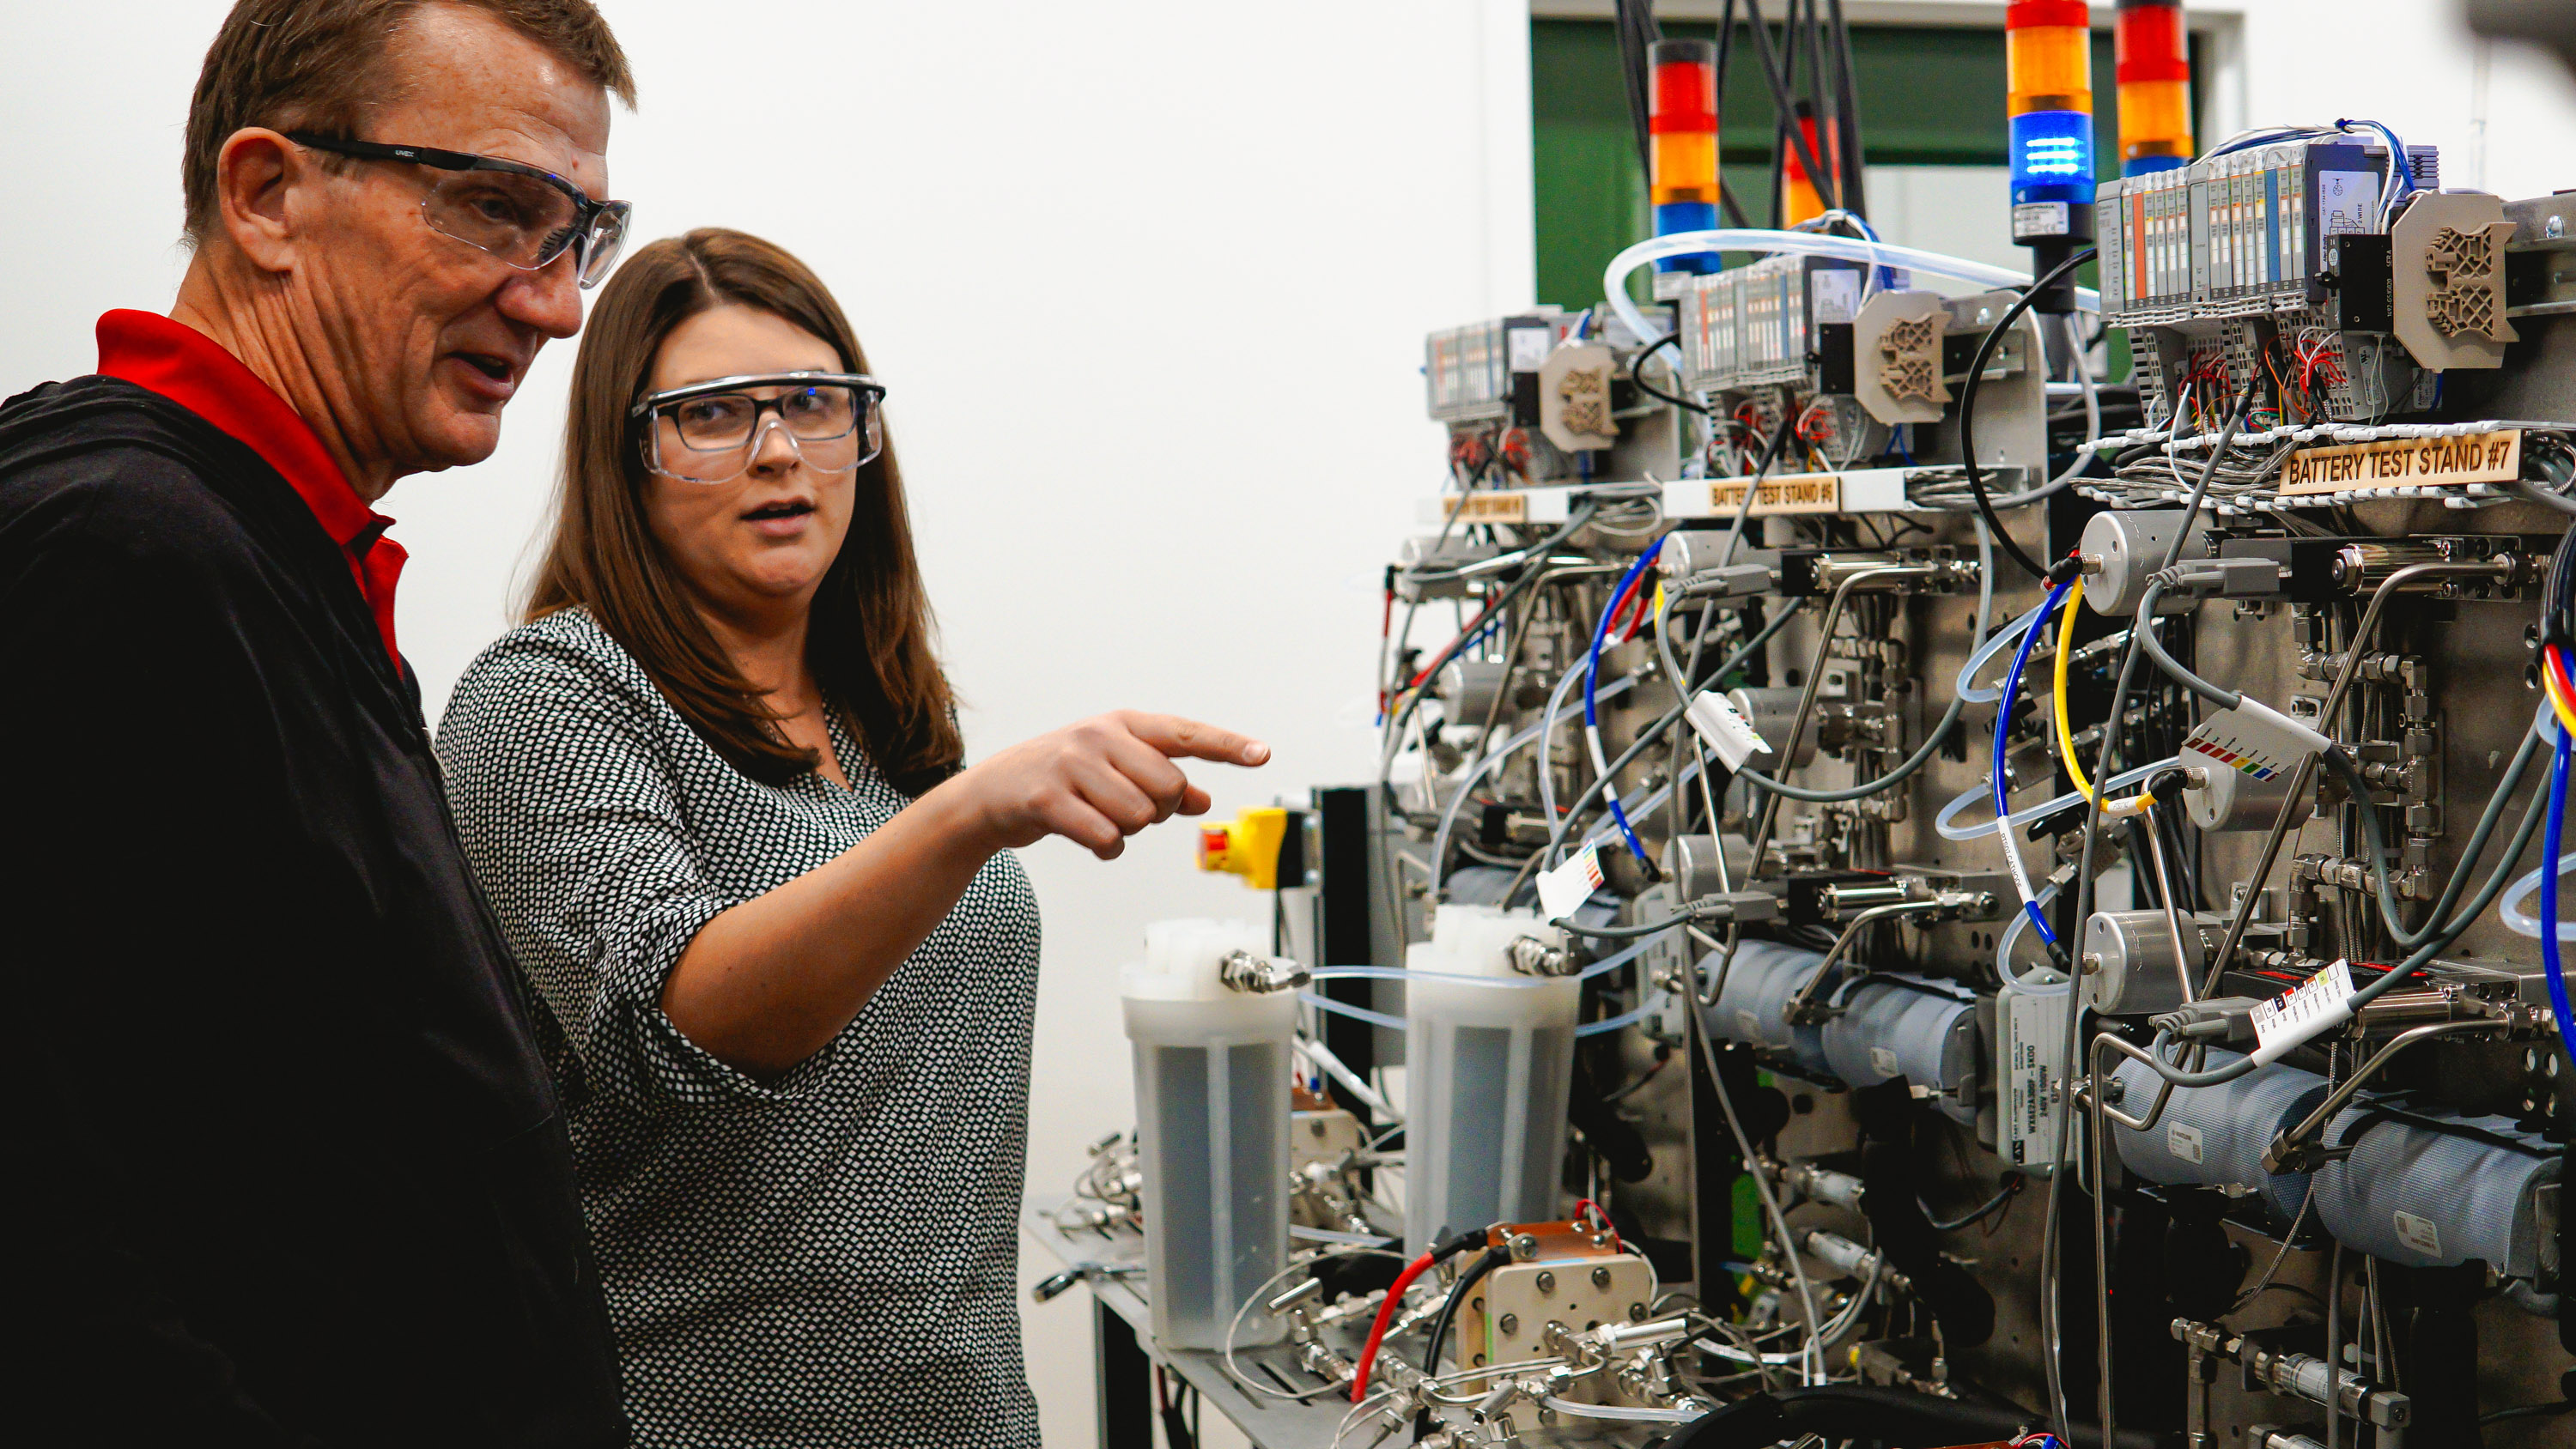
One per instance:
[(1148, 281)]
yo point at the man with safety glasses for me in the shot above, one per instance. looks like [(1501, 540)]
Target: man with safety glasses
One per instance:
[(280, 1118)]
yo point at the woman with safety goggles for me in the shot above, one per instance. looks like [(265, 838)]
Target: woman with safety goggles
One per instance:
[(716, 791)]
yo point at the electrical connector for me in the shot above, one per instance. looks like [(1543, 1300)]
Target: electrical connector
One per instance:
[(2217, 1020), (1735, 581), (2229, 578)]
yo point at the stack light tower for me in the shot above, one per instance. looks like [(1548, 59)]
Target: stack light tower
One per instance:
[(2155, 87), (1681, 121), (2048, 77)]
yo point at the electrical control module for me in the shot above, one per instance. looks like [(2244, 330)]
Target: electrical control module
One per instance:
[(1958, 857)]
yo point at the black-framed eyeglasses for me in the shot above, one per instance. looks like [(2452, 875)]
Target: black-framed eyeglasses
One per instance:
[(831, 419), (522, 215)]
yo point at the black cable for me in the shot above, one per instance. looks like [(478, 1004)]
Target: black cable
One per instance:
[(1828, 109), (1847, 113), (1637, 373), (1784, 105), (2002, 1198), (1968, 405), (1638, 33), (1485, 1263), (1725, 44)]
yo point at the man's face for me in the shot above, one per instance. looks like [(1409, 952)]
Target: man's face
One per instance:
[(418, 339)]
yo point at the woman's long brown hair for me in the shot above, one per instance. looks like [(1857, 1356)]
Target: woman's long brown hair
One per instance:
[(870, 641)]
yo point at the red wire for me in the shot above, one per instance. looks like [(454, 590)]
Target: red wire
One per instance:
[(1385, 1316), (1584, 1206), (1469, 632)]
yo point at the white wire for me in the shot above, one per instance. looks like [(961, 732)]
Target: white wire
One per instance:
[(1614, 279)]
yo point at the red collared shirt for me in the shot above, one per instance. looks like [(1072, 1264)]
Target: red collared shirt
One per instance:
[(191, 369)]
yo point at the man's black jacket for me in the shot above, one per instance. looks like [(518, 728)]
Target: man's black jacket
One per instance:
[(274, 1097)]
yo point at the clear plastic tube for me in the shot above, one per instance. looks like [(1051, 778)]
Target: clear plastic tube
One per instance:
[(2004, 948), (1614, 279), (1623, 1412), (1611, 962), (2517, 896), (1942, 821), (1985, 654)]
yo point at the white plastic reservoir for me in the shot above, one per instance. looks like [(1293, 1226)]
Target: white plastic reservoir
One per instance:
[(1212, 1076), (1488, 1062)]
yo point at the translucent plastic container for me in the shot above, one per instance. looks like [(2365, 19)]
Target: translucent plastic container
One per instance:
[(1212, 1075), (1487, 1069)]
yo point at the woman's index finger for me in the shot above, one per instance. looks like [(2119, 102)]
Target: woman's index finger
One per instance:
[(1192, 739)]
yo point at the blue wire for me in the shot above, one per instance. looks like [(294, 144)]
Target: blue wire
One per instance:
[(2396, 149), (2003, 736), (1592, 673), (2550, 843)]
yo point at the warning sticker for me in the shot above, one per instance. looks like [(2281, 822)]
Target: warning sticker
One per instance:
[(1716, 720), (2182, 1141), (2419, 1234), (2253, 738), (2489, 457), (2303, 1013), (1562, 891)]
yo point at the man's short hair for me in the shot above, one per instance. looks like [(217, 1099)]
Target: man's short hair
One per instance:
[(316, 65)]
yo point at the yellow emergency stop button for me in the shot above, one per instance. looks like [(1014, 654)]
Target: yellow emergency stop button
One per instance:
[(1249, 847)]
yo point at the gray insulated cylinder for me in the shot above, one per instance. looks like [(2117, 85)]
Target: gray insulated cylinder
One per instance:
[(2215, 1136), (1752, 1009), (2131, 546), (2433, 1190), (1923, 1031)]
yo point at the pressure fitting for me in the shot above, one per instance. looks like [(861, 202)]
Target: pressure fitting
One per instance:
[(1260, 975)]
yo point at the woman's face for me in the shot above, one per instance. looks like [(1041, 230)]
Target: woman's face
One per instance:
[(762, 540)]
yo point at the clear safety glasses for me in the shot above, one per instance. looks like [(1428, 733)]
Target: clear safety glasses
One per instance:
[(709, 432), (522, 215)]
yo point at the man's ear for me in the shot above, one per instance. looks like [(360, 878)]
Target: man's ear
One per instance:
[(254, 172)]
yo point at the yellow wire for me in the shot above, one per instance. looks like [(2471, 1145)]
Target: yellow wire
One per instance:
[(2558, 698), (2065, 647)]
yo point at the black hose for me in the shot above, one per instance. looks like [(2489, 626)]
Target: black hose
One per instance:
[(1968, 407), (1637, 373), (1485, 1263), (1868, 1411)]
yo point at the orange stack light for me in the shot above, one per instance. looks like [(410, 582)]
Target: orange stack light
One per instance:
[(2155, 87)]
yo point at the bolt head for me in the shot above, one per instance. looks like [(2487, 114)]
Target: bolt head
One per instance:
[(1546, 1281), (1509, 1323), (1636, 1313), (1601, 1277)]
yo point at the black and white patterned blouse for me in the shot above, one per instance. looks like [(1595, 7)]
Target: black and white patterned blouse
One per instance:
[(828, 1259)]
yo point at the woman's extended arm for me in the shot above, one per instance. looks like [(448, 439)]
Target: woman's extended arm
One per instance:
[(769, 982)]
